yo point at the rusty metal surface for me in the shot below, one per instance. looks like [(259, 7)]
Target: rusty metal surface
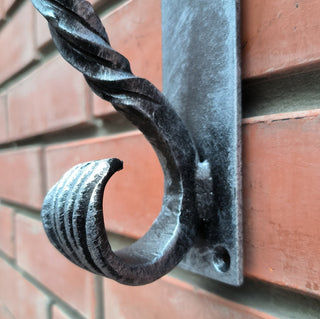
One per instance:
[(72, 211), (201, 78)]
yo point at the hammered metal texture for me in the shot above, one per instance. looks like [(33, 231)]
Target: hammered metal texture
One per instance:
[(72, 210)]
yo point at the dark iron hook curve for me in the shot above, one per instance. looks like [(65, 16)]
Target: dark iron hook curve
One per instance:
[(72, 210)]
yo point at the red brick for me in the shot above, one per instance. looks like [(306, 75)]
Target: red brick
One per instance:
[(42, 261), (170, 298), (101, 107), (134, 30), (57, 313), (279, 36), (281, 171), (19, 297), (17, 43), (2, 15), (50, 99), (21, 179), (3, 120), (4, 312), (7, 231), (43, 36), (7, 4), (133, 196)]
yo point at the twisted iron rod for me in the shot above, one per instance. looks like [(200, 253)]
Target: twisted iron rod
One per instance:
[(72, 210)]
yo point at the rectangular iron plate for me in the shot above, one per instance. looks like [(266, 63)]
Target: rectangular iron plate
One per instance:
[(201, 79)]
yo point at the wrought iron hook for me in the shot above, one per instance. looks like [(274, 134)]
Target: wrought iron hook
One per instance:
[(72, 210)]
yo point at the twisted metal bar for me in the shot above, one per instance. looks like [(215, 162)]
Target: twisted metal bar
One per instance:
[(72, 210)]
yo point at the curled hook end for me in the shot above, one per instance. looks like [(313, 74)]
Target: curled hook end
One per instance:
[(67, 207), (72, 213)]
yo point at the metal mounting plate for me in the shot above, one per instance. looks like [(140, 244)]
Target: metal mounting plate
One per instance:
[(201, 79)]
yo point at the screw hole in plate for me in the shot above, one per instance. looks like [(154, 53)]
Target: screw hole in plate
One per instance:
[(221, 259)]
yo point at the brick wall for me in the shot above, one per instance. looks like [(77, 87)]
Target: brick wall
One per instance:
[(50, 120)]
